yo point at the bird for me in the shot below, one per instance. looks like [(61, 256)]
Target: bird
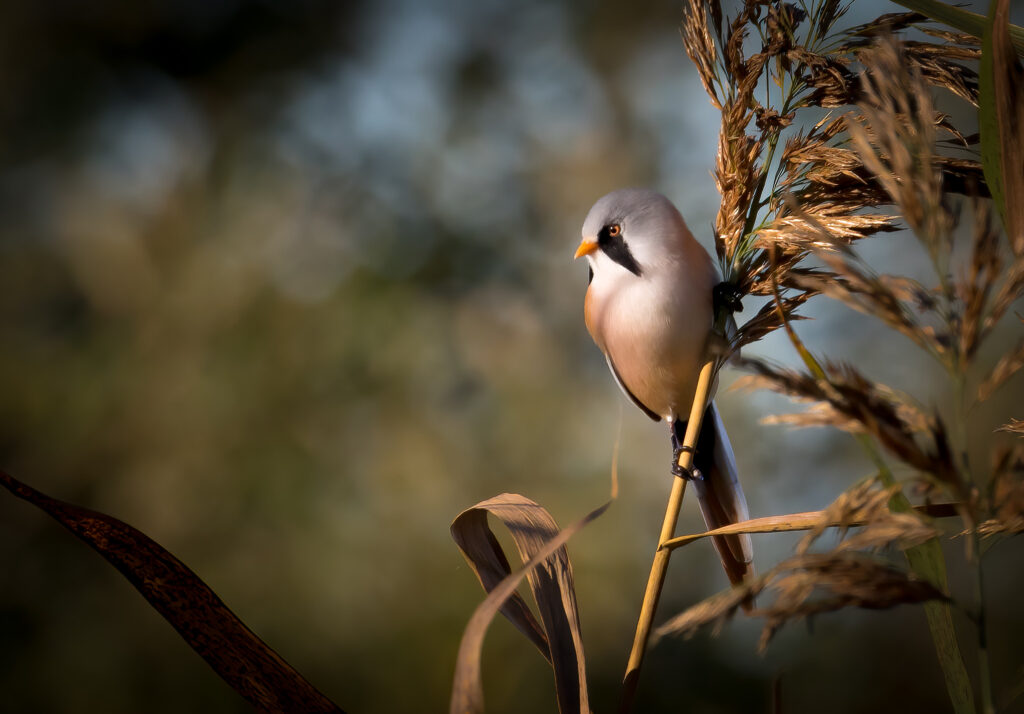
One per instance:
[(649, 307)]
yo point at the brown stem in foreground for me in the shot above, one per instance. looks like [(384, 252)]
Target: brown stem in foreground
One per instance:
[(668, 528)]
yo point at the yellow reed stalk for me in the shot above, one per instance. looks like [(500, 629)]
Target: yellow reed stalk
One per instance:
[(668, 528)]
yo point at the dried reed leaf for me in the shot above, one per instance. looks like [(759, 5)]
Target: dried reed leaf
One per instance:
[(541, 547), (487, 559), (1001, 116), (798, 522), (1009, 92), (236, 654)]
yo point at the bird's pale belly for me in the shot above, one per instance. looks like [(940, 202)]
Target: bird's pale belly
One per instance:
[(663, 380), (656, 354)]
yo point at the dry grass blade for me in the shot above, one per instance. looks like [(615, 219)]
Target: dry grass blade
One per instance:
[(1001, 116), (807, 520), (1008, 81), (541, 547), (487, 559), (234, 652)]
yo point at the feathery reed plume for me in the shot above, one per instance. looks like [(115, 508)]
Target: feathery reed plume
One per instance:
[(864, 172), (888, 415), (765, 156), (812, 583)]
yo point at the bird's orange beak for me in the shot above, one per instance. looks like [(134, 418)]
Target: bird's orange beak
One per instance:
[(587, 246)]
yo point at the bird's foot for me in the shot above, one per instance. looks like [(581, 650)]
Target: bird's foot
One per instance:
[(728, 296), (690, 474)]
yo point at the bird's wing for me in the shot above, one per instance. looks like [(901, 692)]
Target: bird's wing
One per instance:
[(625, 390)]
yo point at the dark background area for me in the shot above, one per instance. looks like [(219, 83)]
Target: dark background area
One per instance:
[(289, 285)]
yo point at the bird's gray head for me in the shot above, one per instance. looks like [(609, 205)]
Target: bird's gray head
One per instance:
[(632, 229)]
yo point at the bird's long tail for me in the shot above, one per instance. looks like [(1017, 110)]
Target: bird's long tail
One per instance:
[(719, 493)]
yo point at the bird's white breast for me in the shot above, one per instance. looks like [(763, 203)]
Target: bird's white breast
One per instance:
[(654, 328)]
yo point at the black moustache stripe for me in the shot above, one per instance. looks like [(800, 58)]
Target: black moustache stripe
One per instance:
[(616, 249)]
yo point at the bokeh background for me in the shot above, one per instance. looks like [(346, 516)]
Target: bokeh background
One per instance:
[(289, 285)]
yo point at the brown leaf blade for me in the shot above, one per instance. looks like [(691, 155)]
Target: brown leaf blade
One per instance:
[(1008, 97), (254, 670), (485, 556), (808, 520), (546, 565)]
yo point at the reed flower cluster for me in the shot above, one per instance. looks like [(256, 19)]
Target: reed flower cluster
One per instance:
[(829, 138)]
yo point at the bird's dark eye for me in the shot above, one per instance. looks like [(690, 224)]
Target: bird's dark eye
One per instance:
[(614, 230)]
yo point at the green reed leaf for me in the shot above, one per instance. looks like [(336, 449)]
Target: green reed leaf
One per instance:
[(988, 119), (963, 20)]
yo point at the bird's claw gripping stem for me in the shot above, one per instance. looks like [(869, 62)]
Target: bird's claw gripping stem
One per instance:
[(690, 474)]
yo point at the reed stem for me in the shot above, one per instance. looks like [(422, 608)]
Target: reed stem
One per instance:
[(661, 556)]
